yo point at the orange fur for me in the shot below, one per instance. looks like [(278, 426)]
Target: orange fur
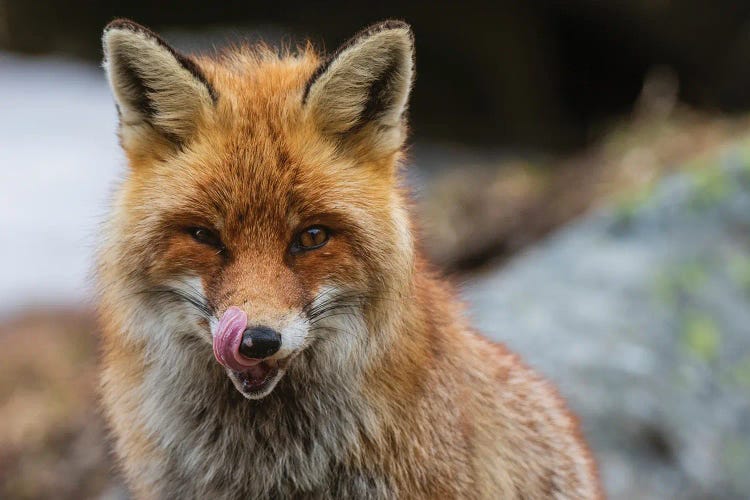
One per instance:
[(399, 399)]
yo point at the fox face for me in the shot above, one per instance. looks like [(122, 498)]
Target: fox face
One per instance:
[(260, 216)]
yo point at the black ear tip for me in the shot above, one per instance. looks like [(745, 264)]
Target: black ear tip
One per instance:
[(386, 25), (124, 24), (391, 24), (120, 25)]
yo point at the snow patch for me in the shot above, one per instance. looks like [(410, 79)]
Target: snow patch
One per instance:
[(59, 158)]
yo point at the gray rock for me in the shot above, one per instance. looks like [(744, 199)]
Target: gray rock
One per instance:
[(641, 315)]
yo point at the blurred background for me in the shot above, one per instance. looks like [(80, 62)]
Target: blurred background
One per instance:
[(580, 168)]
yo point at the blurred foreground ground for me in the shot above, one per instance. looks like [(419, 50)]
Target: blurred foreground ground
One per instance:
[(52, 442), (642, 326)]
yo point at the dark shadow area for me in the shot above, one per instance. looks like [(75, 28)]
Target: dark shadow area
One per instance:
[(528, 75)]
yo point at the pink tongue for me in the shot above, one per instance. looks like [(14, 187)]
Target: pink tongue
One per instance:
[(227, 340)]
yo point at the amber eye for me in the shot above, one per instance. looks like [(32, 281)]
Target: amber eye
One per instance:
[(206, 236), (311, 238)]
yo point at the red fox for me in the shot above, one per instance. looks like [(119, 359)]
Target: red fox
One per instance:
[(270, 328)]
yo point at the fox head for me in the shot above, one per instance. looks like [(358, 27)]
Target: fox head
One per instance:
[(261, 212)]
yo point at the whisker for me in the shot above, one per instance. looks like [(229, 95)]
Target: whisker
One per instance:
[(193, 298)]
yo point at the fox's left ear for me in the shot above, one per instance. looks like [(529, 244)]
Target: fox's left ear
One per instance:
[(160, 93), (360, 93)]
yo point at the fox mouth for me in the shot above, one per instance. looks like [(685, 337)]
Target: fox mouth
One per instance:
[(257, 381), (250, 356)]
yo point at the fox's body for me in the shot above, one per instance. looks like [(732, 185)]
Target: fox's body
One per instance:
[(379, 388)]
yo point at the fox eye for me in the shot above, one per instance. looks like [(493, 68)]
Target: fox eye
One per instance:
[(310, 238), (206, 236)]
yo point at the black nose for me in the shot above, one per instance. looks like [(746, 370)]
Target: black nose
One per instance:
[(259, 342)]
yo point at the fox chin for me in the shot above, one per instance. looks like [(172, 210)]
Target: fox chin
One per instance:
[(270, 327)]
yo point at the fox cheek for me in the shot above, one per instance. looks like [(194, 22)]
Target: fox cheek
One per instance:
[(182, 257)]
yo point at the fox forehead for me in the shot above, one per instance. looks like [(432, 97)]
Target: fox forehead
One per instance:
[(235, 187)]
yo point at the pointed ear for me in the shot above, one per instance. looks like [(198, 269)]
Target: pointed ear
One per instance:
[(360, 93), (160, 93)]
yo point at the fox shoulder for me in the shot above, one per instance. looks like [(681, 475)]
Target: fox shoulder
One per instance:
[(517, 409)]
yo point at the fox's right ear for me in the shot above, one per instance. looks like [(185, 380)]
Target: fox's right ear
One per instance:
[(160, 93)]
